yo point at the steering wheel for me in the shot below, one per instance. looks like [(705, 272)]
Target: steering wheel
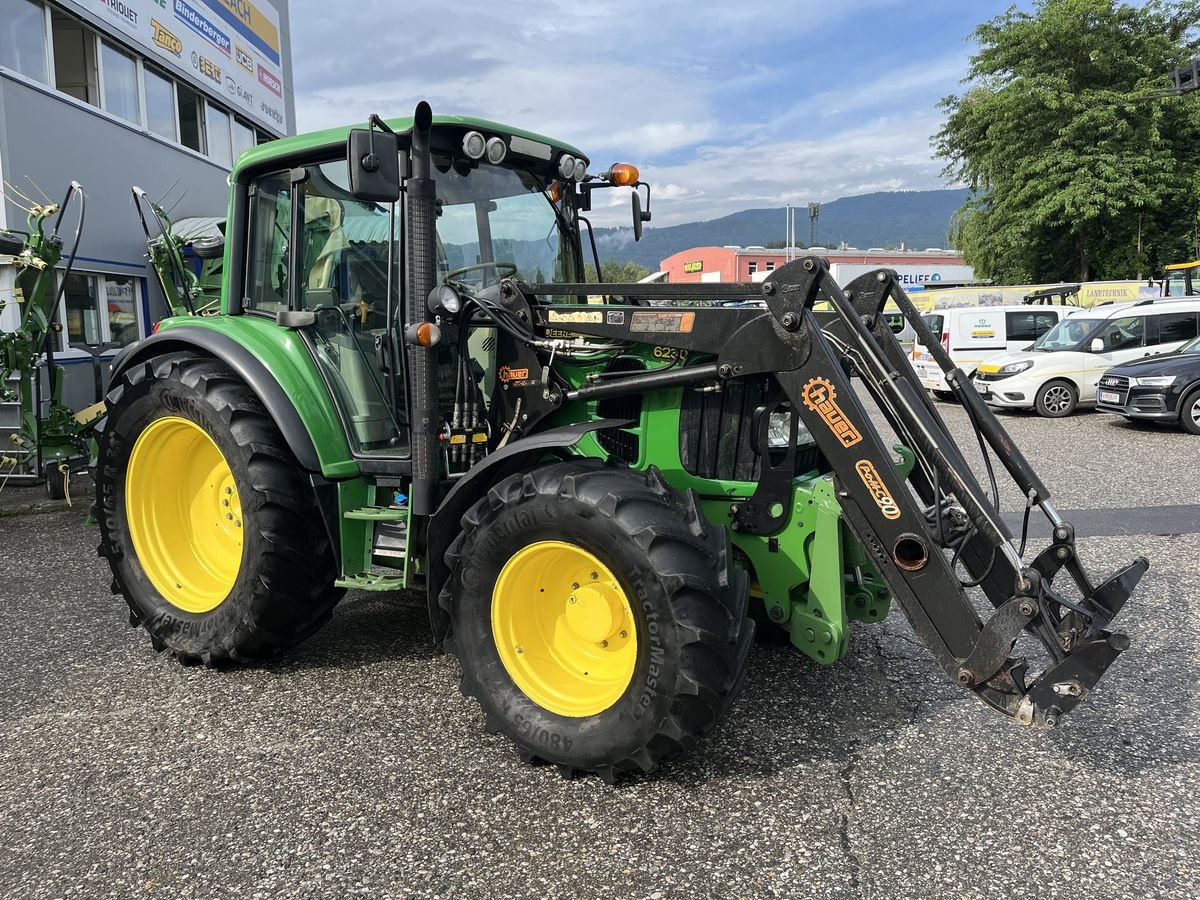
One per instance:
[(502, 269)]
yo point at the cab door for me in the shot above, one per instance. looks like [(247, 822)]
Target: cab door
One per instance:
[(1120, 340), (315, 249)]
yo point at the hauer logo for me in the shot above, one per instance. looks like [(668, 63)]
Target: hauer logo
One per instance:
[(162, 37), (821, 397), (244, 59), (270, 82)]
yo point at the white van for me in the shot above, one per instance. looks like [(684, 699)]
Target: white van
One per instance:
[(1063, 368), (973, 335)]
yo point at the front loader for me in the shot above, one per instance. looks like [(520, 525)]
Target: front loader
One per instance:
[(601, 489)]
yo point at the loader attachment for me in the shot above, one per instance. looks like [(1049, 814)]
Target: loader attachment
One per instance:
[(911, 528), (922, 519)]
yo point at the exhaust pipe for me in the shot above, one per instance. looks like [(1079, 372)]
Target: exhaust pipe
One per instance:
[(422, 278)]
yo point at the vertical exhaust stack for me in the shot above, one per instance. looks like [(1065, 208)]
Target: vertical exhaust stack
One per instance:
[(422, 278)]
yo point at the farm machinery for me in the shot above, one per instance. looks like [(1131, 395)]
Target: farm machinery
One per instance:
[(44, 438), (601, 489)]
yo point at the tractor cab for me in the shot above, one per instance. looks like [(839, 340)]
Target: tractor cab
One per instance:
[(1182, 279)]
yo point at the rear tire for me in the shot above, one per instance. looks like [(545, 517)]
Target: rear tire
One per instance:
[(263, 536), (1189, 412), (1056, 399), (678, 599)]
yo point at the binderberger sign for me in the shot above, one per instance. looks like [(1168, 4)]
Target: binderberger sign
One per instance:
[(231, 48)]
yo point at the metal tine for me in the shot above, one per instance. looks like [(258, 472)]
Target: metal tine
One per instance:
[(19, 206), (49, 202)]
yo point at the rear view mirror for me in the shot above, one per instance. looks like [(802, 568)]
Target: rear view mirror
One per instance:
[(373, 158), (1097, 345), (637, 216)]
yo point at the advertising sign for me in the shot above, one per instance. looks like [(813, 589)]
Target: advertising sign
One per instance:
[(232, 47)]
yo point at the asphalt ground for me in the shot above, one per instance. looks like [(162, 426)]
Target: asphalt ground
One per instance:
[(353, 767)]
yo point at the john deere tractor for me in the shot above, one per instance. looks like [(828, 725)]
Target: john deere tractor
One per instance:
[(600, 488)]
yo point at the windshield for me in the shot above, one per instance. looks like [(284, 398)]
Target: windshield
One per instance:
[(492, 219), (1192, 346), (1066, 335)]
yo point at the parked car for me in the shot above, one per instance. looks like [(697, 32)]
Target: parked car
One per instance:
[(1163, 388), (1062, 370), (973, 335)]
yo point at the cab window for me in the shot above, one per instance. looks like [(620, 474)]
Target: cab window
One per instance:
[(267, 250), (1175, 327), (1029, 325), (1126, 333)]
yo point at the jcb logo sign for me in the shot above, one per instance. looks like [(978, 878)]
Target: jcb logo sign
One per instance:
[(879, 492), (244, 59), (821, 398)]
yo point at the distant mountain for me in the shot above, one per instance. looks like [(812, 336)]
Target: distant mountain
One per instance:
[(920, 219)]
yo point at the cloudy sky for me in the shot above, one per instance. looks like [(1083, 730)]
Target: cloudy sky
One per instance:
[(723, 106)]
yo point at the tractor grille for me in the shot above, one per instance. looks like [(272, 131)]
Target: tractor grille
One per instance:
[(715, 438), (620, 443)]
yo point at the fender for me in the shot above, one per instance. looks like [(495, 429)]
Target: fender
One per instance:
[(247, 366), (472, 487)]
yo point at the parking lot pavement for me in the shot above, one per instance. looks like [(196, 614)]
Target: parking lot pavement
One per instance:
[(353, 767)]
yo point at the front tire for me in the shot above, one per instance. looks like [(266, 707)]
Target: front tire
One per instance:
[(207, 521), (596, 618), (1056, 399)]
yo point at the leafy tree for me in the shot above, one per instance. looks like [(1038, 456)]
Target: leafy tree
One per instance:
[(617, 272), (1080, 165)]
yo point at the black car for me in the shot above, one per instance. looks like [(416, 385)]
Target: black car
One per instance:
[(1163, 388)]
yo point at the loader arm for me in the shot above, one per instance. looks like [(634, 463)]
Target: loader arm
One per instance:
[(918, 522)]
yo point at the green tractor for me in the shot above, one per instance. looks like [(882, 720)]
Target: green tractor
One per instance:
[(601, 488)]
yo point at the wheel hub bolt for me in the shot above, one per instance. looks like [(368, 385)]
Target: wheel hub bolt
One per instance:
[(624, 634), (229, 516), (604, 643)]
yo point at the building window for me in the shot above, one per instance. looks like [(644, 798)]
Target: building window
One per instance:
[(771, 267), (160, 105), (23, 38), (261, 137), (100, 309), (191, 122), (74, 59), (118, 71), (243, 137), (220, 147), (753, 267), (82, 318)]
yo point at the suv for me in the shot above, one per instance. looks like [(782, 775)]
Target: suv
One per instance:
[(1165, 388), (1063, 367)]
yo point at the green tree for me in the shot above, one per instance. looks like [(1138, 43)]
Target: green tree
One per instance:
[(617, 272), (1075, 156)]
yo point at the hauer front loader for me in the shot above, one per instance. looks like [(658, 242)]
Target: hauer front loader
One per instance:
[(595, 485)]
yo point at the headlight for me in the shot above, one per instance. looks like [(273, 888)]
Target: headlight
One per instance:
[(580, 170), (444, 299), (566, 166), (1017, 367), (474, 144), (496, 150), (1155, 381)]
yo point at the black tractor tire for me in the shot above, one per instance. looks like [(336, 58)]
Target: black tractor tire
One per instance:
[(56, 480), (284, 589), (1189, 412), (689, 609), (1056, 399)]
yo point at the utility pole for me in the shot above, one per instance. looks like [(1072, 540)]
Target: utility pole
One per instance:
[(814, 213)]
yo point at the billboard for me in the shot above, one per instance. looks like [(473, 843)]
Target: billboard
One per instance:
[(928, 274), (230, 47)]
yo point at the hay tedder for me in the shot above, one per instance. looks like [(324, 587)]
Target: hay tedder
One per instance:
[(601, 489)]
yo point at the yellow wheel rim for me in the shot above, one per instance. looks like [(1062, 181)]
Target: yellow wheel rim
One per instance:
[(184, 514), (564, 628)]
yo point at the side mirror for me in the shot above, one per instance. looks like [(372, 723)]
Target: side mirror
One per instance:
[(638, 215), (1097, 345), (373, 158)]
